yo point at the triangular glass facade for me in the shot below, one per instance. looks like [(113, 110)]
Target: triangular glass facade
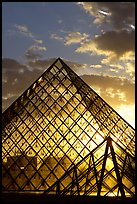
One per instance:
[(61, 137)]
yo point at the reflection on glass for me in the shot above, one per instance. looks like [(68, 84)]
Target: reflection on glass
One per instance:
[(53, 128)]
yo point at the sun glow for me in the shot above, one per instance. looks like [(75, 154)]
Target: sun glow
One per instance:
[(128, 113)]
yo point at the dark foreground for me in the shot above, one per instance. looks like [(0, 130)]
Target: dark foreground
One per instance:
[(19, 198)]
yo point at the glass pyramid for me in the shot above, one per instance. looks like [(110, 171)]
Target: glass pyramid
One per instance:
[(61, 137)]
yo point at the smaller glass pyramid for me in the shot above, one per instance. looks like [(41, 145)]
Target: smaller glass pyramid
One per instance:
[(61, 137)]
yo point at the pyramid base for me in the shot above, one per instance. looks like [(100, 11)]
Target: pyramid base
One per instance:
[(27, 198)]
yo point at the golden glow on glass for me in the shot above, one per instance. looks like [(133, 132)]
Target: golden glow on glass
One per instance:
[(56, 126)]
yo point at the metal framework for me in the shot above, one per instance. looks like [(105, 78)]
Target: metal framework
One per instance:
[(60, 137)]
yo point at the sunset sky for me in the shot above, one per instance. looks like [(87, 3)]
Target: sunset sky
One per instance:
[(96, 39)]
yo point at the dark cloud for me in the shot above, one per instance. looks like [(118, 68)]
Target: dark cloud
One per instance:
[(117, 42), (41, 64), (12, 65), (116, 85), (122, 13), (16, 83), (118, 15)]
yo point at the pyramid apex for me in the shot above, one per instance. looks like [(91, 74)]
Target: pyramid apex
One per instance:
[(59, 131), (60, 59), (57, 59)]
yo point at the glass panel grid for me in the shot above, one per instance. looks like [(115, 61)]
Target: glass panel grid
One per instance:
[(56, 125)]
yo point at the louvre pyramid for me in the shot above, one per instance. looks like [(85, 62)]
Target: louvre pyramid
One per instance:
[(61, 137)]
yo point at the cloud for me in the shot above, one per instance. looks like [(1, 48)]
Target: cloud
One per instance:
[(98, 66), (118, 15), (35, 52), (12, 65), (41, 64), (116, 91), (114, 41), (39, 41), (71, 37), (116, 66), (56, 37), (14, 82), (32, 56), (60, 21), (111, 43), (37, 48), (130, 69), (116, 48), (75, 37), (24, 31)]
